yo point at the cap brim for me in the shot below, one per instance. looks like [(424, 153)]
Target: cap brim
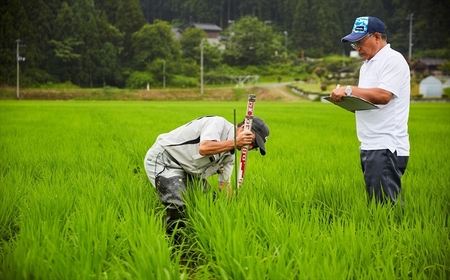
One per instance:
[(353, 37), (261, 144)]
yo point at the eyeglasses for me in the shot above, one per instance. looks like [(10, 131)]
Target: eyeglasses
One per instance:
[(360, 42)]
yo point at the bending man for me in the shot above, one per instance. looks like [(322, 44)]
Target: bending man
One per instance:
[(193, 152)]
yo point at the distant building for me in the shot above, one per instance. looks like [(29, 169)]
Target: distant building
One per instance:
[(177, 32), (212, 30), (431, 87), (427, 66)]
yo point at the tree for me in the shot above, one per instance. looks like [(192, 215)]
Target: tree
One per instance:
[(252, 43), (212, 56), (190, 45), (130, 19), (190, 42), (64, 50), (110, 8), (14, 25), (86, 29), (110, 70), (313, 32), (154, 41), (38, 52), (155, 50), (89, 42), (64, 45)]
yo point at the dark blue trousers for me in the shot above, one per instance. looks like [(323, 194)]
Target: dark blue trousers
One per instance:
[(382, 171)]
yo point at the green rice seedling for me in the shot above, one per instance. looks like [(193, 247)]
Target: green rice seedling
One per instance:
[(76, 202)]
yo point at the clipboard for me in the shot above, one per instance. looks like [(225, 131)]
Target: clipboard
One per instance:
[(353, 103)]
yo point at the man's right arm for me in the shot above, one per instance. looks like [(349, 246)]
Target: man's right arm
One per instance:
[(208, 147)]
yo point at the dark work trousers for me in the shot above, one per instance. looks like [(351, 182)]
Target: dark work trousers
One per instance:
[(382, 171), (171, 182), (171, 191)]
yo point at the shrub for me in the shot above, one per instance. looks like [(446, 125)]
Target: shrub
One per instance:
[(190, 68), (139, 79), (178, 81), (446, 93)]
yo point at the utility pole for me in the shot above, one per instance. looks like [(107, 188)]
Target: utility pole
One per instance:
[(230, 23), (201, 66), (410, 17), (285, 41), (164, 73), (18, 59)]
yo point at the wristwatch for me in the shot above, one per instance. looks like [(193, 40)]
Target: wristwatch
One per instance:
[(348, 91)]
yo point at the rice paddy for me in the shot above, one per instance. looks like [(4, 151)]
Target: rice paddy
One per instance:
[(75, 202)]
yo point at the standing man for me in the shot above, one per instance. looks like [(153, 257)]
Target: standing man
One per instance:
[(191, 153), (384, 80)]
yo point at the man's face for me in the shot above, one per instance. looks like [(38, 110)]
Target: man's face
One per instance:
[(367, 47)]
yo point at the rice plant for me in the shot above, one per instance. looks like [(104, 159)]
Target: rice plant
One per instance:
[(76, 202)]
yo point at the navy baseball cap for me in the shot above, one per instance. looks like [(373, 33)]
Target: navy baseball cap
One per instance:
[(364, 26)]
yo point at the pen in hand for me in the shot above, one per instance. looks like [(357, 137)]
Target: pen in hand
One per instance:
[(338, 86)]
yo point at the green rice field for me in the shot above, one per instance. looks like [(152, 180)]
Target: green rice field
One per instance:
[(75, 202)]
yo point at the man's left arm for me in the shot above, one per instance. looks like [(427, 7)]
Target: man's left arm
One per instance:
[(387, 85), (375, 95), (389, 82)]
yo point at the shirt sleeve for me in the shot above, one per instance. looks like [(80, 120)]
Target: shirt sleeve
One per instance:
[(212, 130), (389, 79)]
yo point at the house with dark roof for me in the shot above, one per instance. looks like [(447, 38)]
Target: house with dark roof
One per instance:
[(212, 30), (427, 66), (212, 33)]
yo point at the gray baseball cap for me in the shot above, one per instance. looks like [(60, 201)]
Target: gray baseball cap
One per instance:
[(261, 130)]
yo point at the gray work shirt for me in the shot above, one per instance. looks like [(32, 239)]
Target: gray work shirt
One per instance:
[(183, 144)]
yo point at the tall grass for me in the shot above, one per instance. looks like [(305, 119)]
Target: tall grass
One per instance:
[(76, 203)]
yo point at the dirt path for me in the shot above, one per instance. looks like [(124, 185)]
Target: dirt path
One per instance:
[(288, 97), (278, 93)]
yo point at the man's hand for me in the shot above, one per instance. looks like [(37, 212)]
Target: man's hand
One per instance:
[(208, 147), (245, 137), (338, 94)]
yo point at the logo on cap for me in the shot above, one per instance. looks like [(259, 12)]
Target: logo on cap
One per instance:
[(360, 25)]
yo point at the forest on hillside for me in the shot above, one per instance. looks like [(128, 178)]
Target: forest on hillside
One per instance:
[(122, 43)]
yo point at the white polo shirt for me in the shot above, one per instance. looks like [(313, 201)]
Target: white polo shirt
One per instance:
[(387, 127), (183, 143)]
